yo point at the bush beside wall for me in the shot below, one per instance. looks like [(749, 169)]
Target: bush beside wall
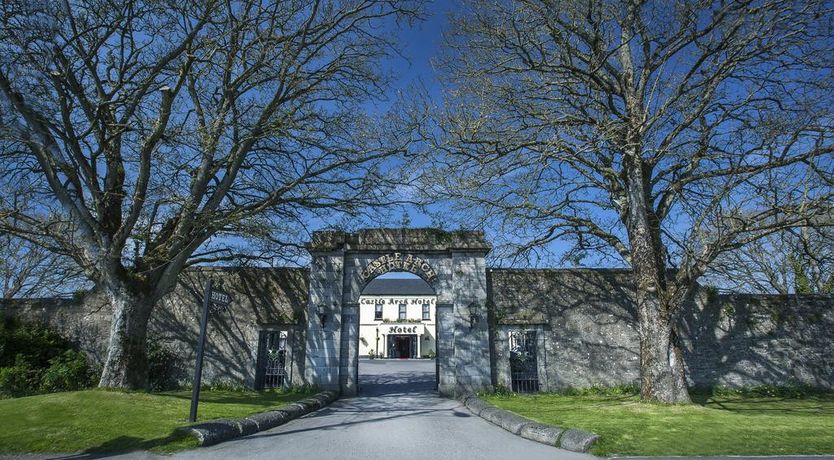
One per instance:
[(34, 359)]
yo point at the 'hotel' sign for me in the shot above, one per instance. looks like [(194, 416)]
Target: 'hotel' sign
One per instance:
[(404, 329)]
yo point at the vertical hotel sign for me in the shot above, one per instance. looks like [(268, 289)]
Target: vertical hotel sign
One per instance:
[(398, 262)]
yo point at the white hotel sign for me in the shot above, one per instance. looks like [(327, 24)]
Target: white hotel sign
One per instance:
[(404, 329)]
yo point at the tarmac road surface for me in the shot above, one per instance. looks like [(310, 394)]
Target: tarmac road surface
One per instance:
[(398, 415)]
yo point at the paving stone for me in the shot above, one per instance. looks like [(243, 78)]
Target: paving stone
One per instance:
[(476, 405), (215, 431), (544, 434), (577, 440), (269, 419)]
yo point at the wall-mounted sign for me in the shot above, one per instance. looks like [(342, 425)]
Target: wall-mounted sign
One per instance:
[(398, 262), (416, 329), (381, 300)]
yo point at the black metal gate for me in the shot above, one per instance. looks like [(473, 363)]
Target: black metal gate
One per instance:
[(274, 359), (524, 366)]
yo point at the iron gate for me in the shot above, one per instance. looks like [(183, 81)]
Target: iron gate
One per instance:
[(524, 366), (275, 360)]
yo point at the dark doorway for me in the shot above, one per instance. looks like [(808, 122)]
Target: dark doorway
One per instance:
[(402, 346), (524, 367)]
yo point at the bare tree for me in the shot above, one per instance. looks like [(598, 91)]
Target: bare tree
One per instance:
[(794, 261), (645, 131), (166, 132), (28, 270)]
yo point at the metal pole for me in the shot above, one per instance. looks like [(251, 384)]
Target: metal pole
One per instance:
[(198, 370)]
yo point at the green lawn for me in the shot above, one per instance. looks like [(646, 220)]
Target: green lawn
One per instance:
[(714, 425), (96, 421)]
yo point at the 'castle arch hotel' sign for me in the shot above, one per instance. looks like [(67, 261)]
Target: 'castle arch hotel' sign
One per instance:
[(396, 262)]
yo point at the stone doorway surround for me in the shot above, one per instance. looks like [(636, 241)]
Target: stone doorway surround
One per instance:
[(451, 262)]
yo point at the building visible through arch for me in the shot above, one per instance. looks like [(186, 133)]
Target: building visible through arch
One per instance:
[(397, 319)]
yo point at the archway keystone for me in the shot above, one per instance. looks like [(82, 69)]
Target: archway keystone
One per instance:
[(451, 262)]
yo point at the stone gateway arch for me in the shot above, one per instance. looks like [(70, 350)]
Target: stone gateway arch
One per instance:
[(451, 262)]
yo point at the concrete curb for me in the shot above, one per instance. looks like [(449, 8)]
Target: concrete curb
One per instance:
[(569, 439), (216, 431)]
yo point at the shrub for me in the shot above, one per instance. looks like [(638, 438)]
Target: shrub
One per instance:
[(35, 359), (68, 372), (165, 367), (602, 390), (224, 384), (34, 343), (502, 390), (18, 380)]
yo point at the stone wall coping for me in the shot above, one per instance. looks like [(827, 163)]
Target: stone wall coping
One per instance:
[(216, 431), (565, 438)]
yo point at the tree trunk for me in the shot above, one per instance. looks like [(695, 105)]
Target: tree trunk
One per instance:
[(662, 376), (661, 366), (126, 364)]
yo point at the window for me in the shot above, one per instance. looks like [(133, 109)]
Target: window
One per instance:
[(378, 312), (402, 311), (426, 313)]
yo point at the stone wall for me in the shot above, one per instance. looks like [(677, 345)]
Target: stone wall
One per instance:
[(738, 340), (585, 321), (589, 323), (86, 326), (264, 299)]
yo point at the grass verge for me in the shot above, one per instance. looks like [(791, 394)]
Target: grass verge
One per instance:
[(103, 422), (731, 424)]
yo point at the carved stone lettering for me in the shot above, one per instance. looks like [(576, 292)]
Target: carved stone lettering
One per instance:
[(398, 262)]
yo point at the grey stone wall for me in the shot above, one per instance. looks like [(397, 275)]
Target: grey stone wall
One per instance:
[(737, 340), (586, 317), (87, 326), (263, 299), (589, 322), (585, 321)]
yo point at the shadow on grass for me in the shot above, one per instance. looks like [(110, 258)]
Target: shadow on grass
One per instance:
[(264, 399), (821, 403), (176, 440)]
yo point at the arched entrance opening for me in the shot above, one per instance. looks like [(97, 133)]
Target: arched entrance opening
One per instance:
[(397, 339), (343, 264)]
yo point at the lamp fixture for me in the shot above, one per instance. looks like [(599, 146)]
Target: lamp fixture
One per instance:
[(474, 315)]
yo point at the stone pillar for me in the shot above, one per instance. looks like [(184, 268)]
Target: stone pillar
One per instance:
[(324, 337), (502, 356), (349, 359), (445, 349), (471, 336)]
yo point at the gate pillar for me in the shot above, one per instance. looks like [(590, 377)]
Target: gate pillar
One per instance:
[(324, 320)]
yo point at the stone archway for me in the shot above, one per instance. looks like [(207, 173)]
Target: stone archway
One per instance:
[(451, 262)]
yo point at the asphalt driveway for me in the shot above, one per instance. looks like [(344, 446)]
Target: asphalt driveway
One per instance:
[(398, 415)]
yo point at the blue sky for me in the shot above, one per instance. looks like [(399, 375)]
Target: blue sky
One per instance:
[(418, 44)]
